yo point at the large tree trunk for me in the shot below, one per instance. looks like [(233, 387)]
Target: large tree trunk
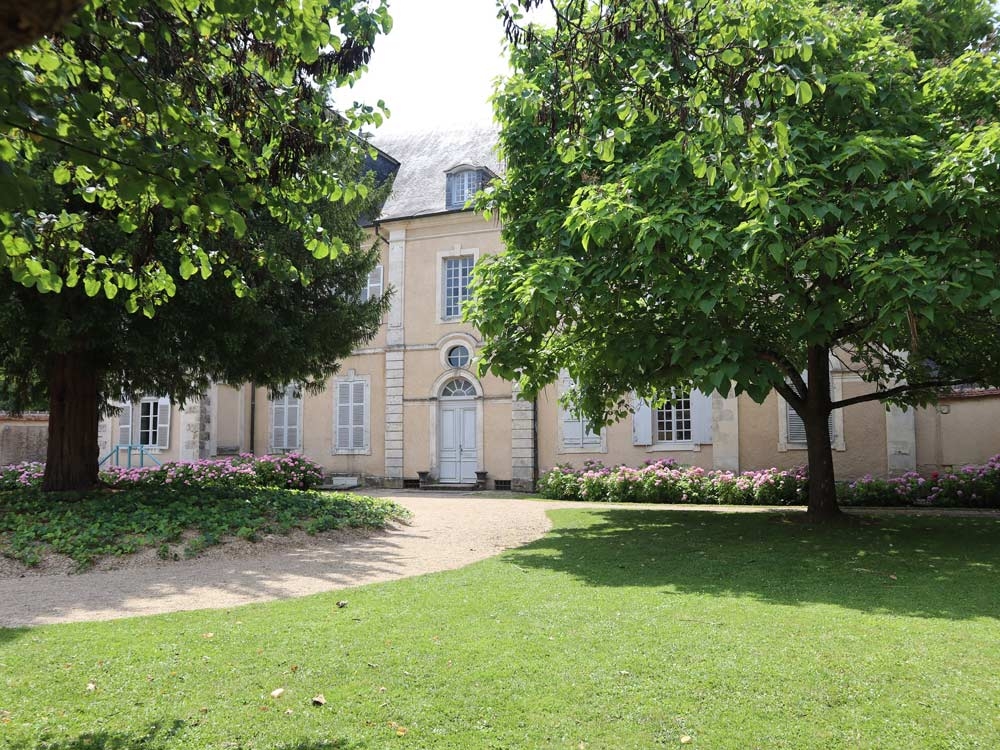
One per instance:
[(71, 461), (816, 416)]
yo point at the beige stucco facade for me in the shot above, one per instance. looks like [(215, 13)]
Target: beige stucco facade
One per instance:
[(404, 417)]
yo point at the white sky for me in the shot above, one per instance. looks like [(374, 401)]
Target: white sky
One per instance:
[(436, 66)]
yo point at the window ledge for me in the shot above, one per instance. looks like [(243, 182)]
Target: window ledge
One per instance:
[(583, 449), (352, 452), (668, 447), (838, 446)]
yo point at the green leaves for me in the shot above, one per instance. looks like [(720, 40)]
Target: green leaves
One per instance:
[(136, 117), (733, 183), (803, 93)]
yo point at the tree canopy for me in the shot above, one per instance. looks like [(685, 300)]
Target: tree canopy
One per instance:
[(726, 194), (196, 116)]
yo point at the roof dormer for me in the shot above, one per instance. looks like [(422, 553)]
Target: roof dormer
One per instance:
[(462, 182)]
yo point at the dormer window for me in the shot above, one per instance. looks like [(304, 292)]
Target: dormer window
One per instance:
[(463, 182)]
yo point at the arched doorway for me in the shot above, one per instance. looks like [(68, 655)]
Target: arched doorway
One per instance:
[(458, 456)]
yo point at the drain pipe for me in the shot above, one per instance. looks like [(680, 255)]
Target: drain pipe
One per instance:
[(253, 414), (534, 443)]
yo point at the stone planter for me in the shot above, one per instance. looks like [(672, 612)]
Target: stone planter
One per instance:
[(481, 480)]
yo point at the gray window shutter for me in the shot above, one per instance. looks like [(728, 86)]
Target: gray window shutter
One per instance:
[(701, 417), (796, 428), (358, 414), (163, 423), (571, 429), (343, 415), (293, 417), (278, 423), (642, 424), (589, 436), (367, 397), (125, 424)]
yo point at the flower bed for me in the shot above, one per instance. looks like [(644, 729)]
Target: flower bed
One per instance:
[(665, 481), (289, 471)]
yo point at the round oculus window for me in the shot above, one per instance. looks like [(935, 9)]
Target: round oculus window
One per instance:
[(458, 356)]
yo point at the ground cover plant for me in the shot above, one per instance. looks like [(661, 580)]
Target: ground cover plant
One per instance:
[(178, 508), (619, 629), (666, 481)]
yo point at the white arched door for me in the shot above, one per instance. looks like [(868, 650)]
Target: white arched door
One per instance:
[(458, 458)]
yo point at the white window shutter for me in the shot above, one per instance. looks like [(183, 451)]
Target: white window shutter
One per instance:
[(125, 424), (642, 424), (163, 422), (701, 417)]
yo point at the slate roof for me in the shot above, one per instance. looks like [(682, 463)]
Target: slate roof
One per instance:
[(423, 157)]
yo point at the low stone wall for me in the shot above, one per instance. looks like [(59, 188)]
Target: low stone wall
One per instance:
[(23, 438)]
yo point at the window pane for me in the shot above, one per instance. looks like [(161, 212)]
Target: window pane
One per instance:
[(672, 422), (458, 356), (457, 272)]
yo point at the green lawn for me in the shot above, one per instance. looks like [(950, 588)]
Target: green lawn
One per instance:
[(620, 629)]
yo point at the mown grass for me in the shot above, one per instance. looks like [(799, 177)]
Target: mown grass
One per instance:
[(123, 521), (620, 629)]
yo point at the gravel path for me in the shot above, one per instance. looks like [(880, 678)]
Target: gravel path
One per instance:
[(446, 532)]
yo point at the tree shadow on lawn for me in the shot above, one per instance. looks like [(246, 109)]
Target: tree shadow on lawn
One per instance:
[(924, 567), (160, 737), (8, 635)]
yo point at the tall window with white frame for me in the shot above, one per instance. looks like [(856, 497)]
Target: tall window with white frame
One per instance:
[(286, 420), (351, 416), (149, 421), (672, 421), (373, 287), (457, 273)]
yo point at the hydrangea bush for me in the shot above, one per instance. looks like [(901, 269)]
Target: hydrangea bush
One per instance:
[(665, 481), (967, 487), (288, 471)]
